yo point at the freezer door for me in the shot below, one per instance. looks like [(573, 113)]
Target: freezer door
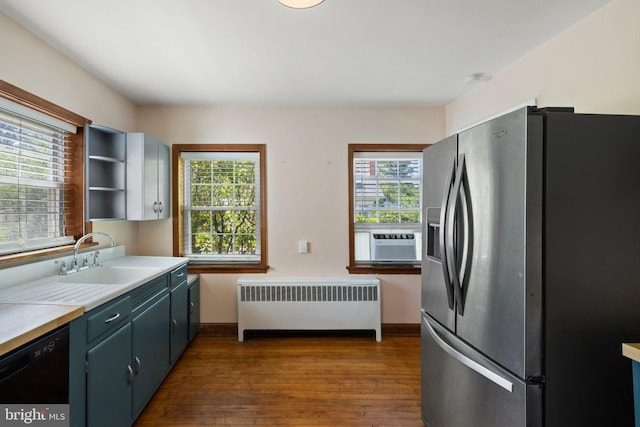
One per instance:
[(439, 165), (461, 388), (501, 198)]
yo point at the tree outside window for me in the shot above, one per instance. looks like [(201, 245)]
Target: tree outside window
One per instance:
[(223, 199), (34, 166), (221, 206)]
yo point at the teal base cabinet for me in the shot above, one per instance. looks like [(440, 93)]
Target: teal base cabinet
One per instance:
[(109, 380), (121, 351), (150, 352), (179, 313), (194, 308), (636, 391), (632, 351)]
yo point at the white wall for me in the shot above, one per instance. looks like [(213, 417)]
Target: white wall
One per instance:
[(593, 66), (306, 155), (307, 188), (30, 64)]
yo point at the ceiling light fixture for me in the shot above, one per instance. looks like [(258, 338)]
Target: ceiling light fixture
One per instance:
[(300, 4)]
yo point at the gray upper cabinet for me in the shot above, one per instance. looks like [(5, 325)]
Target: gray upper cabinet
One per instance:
[(105, 180), (147, 178)]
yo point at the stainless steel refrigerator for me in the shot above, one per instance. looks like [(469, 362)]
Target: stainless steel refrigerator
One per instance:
[(531, 271)]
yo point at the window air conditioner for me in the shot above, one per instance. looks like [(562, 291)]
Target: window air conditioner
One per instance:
[(393, 247)]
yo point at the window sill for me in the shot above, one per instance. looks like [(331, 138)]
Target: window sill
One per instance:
[(32, 256), (226, 269), (384, 269), (12, 260)]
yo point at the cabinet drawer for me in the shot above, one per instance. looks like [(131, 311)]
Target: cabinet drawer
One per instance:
[(107, 318), (178, 275)]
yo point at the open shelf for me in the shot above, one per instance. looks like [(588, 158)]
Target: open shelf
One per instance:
[(105, 151)]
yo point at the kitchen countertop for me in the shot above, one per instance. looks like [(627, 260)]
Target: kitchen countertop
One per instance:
[(632, 351), (22, 323), (33, 308)]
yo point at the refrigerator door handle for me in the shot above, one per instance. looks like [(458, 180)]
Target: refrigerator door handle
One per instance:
[(468, 362), (459, 259), (467, 249), (443, 235), (452, 233)]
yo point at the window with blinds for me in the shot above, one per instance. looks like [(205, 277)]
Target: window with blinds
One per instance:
[(386, 206), (221, 207), (387, 188), (34, 165)]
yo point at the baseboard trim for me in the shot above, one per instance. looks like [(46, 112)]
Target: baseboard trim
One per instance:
[(231, 329), (401, 329), (218, 329)]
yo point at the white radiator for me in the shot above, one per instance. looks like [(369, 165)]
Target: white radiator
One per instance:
[(309, 304)]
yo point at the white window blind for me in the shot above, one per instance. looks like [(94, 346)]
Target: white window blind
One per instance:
[(387, 188), (221, 206), (34, 164)]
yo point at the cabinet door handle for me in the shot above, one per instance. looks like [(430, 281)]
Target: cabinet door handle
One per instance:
[(131, 375), (138, 366), (174, 322), (160, 206), (112, 318), (192, 306), (155, 207)]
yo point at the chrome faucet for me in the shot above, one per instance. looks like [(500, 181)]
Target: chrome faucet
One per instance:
[(63, 267), (74, 262)]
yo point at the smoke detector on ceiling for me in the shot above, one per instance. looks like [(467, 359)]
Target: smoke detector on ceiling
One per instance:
[(478, 77)]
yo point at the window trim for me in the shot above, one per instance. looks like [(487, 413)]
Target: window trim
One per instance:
[(176, 166), (75, 189), (371, 267)]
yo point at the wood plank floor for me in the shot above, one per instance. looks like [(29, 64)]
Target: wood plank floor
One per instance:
[(293, 381)]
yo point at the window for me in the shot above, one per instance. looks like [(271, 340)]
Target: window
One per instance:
[(385, 205), (39, 204), (221, 207)]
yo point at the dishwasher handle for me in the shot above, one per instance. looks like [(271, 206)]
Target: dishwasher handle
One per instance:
[(10, 367)]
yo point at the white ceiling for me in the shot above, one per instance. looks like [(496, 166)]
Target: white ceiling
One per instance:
[(261, 53)]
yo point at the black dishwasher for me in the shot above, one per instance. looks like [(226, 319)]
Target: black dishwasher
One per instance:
[(37, 372)]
